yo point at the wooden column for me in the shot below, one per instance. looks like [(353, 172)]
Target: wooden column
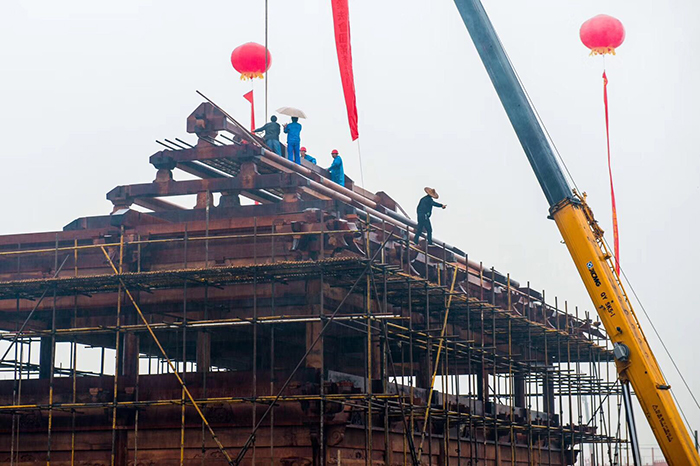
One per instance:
[(549, 396), (45, 358), (203, 351), (482, 384), (519, 390), (130, 356), (315, 357), (121, 447), (423, 374), (313, 299), (203, 198)]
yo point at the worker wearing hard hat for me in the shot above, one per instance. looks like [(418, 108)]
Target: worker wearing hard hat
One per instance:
[(336, 169), (306, 156), (424, 210)]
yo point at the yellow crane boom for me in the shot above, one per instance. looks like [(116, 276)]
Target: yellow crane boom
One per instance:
[(634, 358)]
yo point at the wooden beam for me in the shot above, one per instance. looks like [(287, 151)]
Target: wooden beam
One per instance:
[(127, 193), (156, 204)]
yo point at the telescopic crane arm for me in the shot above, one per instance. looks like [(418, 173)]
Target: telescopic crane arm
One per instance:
[(635, 361)]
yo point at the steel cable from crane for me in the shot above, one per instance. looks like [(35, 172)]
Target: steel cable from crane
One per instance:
[(668, 353), (653, 327)]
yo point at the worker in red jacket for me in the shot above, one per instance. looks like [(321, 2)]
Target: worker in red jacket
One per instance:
[(424, 210)]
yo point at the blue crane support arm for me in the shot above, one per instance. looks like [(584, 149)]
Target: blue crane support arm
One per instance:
[(533, 139)]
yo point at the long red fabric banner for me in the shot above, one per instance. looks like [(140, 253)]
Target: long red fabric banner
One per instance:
[(616, 237), (341, 24), (249, 98)]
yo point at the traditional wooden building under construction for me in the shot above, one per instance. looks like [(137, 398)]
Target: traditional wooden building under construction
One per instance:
[(300, 330)]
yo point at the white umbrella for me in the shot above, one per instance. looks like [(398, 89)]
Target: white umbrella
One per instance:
[(291, 111)]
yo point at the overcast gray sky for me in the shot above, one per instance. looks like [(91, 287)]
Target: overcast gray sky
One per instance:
[(88, 86)]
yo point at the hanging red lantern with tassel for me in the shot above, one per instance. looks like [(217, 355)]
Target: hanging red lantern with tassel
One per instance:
[(602, 34), (251, 60)]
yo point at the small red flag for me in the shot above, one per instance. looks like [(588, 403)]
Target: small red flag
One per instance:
[(341, 24), (249, 98)]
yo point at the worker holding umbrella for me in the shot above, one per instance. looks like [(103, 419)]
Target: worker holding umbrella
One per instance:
[(293, 131)]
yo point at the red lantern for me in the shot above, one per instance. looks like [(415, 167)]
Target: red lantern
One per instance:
[(249, 60), (602, 34)]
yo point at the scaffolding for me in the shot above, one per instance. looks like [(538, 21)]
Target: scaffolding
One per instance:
[(303, 331), (515, 371)]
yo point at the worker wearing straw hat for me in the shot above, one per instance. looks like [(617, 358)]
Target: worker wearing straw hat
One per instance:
[(424, 210)]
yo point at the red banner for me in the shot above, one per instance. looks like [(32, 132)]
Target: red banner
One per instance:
[(341, 24), (249, 98), (616, 237)]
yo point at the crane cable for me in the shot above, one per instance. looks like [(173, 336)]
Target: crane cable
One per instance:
[(656, 332)]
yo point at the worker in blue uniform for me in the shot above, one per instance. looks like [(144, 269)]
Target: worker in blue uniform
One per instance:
[(293, 131), (336, 169), (424, 210), (306, 156), (272, 135)]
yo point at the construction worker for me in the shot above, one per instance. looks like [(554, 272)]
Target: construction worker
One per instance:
[(272, 135), (306, 156), (293, 131), (336, 169), (425, 208)]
